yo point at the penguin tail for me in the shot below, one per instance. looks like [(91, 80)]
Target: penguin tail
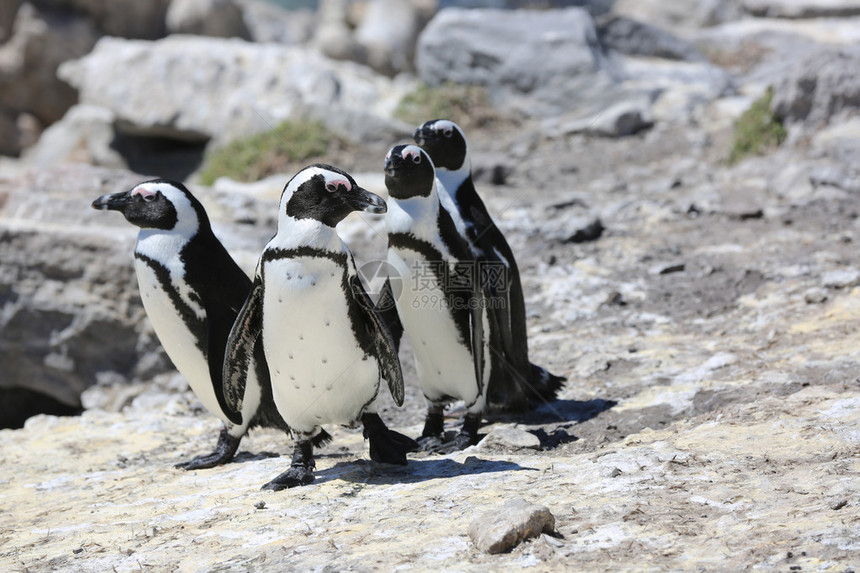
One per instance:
[(321, 438), (512, 392), (545, 383)]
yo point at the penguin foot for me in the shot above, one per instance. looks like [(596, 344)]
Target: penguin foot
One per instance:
[(386, 446), (429, 443), (293, 477), (301, 470), (460, 442), (467, 436), (225, 449)]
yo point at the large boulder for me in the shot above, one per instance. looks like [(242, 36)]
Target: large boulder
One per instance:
[(571, 69), (69, 310), (28, 66), (822, 85), (549, 59), (195, 89)]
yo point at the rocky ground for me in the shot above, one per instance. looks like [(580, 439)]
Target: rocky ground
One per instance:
[(706, 315)]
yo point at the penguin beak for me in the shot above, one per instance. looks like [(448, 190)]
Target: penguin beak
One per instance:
[(113, 202), (363, 200)]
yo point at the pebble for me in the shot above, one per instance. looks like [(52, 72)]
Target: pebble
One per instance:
[(507, 526)]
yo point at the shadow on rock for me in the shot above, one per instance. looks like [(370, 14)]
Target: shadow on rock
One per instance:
[(556, 411), (368, 472)]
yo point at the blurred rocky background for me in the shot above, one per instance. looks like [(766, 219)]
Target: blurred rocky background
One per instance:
[(679, 181)]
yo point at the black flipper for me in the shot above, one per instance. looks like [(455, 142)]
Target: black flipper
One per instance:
[(301, 470), (476, 328), (384, 346), (386, 307), (386, 446), (225, 449), (242, 349), (219, 321)]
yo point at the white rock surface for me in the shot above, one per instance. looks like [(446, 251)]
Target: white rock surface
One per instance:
[(226, 88)]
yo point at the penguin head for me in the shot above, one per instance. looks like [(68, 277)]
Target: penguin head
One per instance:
[(444, 142), (409, 172), (326, 194), (157, 204)]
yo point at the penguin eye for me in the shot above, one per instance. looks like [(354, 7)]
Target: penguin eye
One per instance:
[(149, 197), (416, 159), (331, 187), (447, 132)]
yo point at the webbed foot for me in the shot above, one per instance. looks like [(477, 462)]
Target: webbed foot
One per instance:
[(301, 470), (225, 449)]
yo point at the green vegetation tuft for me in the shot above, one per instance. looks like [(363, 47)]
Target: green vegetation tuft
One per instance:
[(757, 131), (465, 104), (255, 157)]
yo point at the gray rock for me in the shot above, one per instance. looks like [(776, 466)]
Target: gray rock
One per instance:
[(29, 60), (388, 32), (8, 10), (121, 18), (835, 176), (509, 525), (85, 135), (10, 135), (333, 34), (821, 86), (802, 8), (679, 14), (636, 38), (618, 120), (815, 295), (268, 23), (843, 278), (509, 438), (841, 142), (193, 88), (462, 46), (217, 18), (68, 312)]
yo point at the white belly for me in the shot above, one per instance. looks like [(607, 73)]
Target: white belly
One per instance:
[(443, 360), (179, 343), (319, 373)]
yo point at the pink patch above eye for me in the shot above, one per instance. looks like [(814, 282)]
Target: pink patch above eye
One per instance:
[(411, 154), (143, 192), (335, 183)]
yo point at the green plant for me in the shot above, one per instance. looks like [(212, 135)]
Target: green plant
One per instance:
[(465, 104), (757, 130), (252, 158)]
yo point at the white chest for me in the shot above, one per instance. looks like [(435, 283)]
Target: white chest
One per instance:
[(319, 372)]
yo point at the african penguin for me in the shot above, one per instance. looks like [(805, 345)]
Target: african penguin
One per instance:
[(192, 290), (325, 346), (441, 307), (518, 384)]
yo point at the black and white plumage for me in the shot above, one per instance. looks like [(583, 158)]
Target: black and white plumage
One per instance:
[(192, 291), (325, 346), (442, 307), (517, 384)]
